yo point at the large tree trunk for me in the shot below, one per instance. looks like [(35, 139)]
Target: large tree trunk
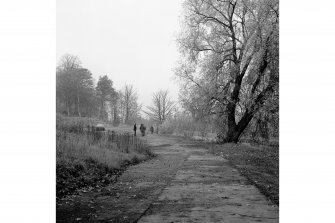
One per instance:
[(235, 133), (231, 131), (235, 130)]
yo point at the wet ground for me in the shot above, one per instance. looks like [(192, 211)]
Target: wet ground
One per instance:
[(184, 183)]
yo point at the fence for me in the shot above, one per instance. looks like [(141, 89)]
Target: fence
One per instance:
[(124, 142)]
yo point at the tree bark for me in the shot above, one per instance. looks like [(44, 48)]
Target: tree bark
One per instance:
[(235, 131)]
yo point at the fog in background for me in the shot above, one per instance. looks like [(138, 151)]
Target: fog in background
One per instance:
[(131, 41)]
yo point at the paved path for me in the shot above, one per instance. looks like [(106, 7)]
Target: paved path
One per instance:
[(206, 189), (183, 184)]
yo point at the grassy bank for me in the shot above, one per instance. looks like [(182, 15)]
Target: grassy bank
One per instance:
[(84, 160), (259, 164)]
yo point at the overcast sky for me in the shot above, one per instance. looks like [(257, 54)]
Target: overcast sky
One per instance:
[(131, 41)]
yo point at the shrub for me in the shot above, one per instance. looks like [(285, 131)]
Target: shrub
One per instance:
[(185, 125)]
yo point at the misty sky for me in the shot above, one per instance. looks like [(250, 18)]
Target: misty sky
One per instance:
[(130, 41)]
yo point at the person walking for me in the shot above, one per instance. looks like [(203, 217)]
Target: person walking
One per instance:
[(135, 128), (152, 129), (142, 129)]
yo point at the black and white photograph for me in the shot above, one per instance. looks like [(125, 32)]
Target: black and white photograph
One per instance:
[(167, 111)]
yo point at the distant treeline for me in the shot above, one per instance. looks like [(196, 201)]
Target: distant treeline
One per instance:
[(78, 94)]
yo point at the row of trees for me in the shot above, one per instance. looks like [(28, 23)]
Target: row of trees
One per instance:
[(78, 95), (230, 64)]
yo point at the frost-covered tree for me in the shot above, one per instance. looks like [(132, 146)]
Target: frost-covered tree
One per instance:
[(230, 60)]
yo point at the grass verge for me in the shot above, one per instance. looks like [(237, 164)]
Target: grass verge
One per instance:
[(259, 164)]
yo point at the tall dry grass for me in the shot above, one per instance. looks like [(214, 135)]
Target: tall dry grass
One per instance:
[(85, 158), (113, 154)]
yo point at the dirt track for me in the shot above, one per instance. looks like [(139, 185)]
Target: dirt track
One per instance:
[(184, 183)]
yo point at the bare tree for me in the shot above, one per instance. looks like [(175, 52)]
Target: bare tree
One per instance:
[(69, 62), (130, 108), (162, 106)]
